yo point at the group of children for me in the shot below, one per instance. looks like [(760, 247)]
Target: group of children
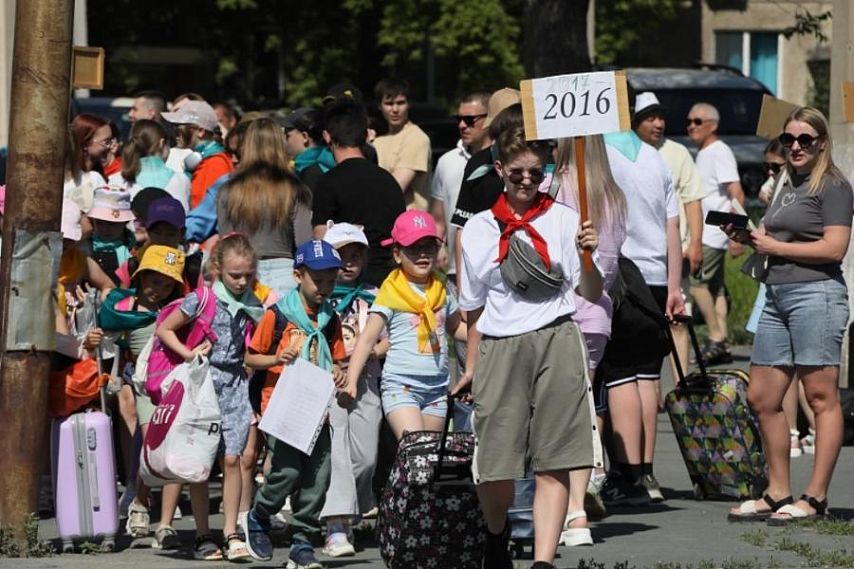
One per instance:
[(331, 318)]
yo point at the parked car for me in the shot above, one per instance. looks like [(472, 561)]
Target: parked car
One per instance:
[(737, 98)]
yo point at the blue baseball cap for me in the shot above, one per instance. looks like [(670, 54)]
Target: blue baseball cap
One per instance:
[(317, 255)]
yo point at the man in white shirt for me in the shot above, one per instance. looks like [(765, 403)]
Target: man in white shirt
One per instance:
[(719, 173), (649, 124), (632, 384), (448, 176)]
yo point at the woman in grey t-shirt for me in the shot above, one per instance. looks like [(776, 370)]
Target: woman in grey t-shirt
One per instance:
[(805, 236)]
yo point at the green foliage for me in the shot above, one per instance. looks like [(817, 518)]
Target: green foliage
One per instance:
[(742, 294), (32, 546), (756, 537), (830, 526), (808, 24), (478, 38), (817, 557), (622, 26), (818, 95)]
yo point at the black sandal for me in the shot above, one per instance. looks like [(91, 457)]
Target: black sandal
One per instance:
[(749, 513), (796, 514)]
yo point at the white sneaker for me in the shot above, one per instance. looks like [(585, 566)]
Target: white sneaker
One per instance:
[(808, 443), (337, 546), (795, 444), (178, 514)]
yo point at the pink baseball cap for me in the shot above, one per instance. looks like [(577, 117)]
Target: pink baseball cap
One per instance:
[(410, 226)]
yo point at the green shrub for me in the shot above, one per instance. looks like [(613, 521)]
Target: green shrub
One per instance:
[(742, 294)]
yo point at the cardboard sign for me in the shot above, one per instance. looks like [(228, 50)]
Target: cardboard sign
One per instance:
[(87, 68), (575, 105), (772, 116), (848, 101)]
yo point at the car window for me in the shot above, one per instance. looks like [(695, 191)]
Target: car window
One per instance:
[(739, 108)]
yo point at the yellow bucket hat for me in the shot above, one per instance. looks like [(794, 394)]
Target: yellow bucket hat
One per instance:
[(164, 260)]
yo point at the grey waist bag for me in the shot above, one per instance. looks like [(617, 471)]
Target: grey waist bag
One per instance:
[(525, 273)]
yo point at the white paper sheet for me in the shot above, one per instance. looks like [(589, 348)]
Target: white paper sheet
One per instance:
[(298, 406)]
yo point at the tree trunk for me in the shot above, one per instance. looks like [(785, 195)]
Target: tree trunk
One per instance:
[(555, 37)]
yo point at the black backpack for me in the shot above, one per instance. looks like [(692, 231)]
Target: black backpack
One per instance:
[(256, 382), (639, 327)]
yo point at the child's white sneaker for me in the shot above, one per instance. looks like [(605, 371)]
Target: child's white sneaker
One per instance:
[(337, 545)]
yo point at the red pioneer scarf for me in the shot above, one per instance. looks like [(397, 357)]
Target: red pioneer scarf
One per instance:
[(501, 211)]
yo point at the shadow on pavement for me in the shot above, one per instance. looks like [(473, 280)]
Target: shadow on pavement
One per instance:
[(603, 531)]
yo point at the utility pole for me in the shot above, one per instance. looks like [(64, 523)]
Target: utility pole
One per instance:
[(32, 245)]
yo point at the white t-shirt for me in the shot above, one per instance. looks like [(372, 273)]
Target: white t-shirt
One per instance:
[(650, 201), (505, 313), (717, 167), (175, 160), (447, 179), (82, 190), (686, 181)]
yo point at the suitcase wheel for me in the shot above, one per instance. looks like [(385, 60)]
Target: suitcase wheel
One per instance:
[(699, 493)]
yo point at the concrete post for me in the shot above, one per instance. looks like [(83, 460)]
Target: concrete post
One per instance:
[(842, 69), (31, 245)]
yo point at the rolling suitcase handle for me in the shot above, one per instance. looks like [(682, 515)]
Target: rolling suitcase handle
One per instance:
[(450, 474), (704, 376)]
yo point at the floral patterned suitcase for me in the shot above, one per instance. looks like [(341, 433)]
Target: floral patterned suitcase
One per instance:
[(429, 516), (717, 432)]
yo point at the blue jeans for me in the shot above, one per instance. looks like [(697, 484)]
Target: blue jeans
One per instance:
[(277, 274), (802, 324)]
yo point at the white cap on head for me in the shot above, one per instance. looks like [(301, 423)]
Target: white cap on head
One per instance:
[(646, 103), (340, 234), (197, 113)]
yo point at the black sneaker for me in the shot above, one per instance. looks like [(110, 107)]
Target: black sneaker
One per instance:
[(617, 491), (496, 554), (542, 565), (716, 353), (652, 488)]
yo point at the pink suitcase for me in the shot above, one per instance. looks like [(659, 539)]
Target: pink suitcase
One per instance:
[(84, 475)]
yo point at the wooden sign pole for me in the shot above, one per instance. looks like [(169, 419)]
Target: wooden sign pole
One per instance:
[(586, 258)]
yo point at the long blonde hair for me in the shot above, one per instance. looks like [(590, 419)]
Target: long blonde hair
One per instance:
[(824, 165), (604, 196), (261, 194), (265, 142)]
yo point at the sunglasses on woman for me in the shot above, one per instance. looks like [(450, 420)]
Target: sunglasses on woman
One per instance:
[(516, 175), (804, 140), (469, 120), (772, 167)]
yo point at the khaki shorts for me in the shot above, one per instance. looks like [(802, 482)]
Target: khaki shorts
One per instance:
[(532, 399), (712, 272)]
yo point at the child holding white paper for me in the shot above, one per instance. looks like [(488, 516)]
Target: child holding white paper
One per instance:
[(302, 324)]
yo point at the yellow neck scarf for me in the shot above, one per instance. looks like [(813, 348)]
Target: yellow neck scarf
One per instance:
[(397, 294)]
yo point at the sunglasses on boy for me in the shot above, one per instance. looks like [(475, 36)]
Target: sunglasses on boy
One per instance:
[(516, 175), (469, 120), (804, 140)]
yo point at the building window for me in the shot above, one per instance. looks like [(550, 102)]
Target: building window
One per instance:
[(756, 54)]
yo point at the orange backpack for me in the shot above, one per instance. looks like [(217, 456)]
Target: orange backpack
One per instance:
[(74, 387)]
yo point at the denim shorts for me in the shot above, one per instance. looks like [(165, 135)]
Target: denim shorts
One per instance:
[(277, 274), (429, 394), (802, 324)]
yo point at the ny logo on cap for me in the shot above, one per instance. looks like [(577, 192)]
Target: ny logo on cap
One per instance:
[(171, 259), (419, 222)]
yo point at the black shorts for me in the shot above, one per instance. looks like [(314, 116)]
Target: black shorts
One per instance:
[(611, 374)]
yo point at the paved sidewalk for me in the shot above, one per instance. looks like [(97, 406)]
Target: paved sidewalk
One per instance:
[(681, 531)]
